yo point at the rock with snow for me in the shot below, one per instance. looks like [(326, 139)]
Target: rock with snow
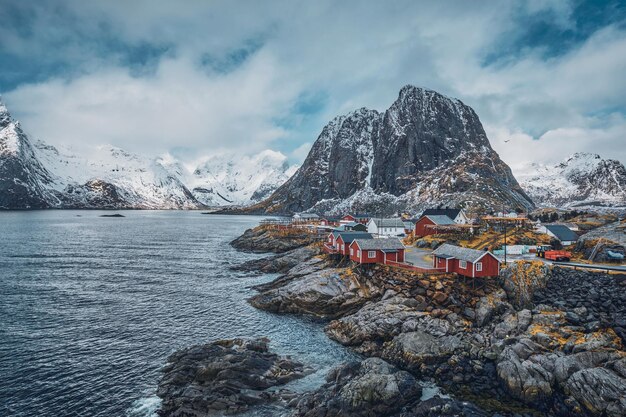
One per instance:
[(425, 148), (582, 180), (239, 180)]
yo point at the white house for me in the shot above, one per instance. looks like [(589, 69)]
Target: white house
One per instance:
[(386, 227), (458, 216), (305, 217)]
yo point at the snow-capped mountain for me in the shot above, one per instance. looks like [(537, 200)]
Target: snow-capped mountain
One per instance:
[(425, 150), (582, 180), (42, 176), (240, 180)]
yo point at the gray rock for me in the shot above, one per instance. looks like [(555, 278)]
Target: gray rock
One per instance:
[(226, 376), (369, 388), (599, 390)]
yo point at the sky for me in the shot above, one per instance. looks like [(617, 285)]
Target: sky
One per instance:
[(195, 78)]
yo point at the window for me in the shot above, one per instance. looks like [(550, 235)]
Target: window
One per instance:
[(371, 254), (479, 266), (358, 253), (351, 251), (462, 264)]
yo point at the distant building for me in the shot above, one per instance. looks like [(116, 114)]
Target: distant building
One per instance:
[(370, 251), (409, 225), (354, 227), (305, 217), (330, 221), (358, 218), (386, 227), (464, 261), (458, 216), (424, 226), (560, 232)]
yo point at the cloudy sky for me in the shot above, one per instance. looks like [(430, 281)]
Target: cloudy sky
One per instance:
[(198, 77)]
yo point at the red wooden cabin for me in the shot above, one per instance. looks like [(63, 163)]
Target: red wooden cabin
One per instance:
[(340, 240), (467, 262), (344, 239), (372, 251), (425, 225)]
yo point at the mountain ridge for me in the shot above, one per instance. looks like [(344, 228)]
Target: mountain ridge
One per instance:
[(407, 157), (35, 175), (580, 180)]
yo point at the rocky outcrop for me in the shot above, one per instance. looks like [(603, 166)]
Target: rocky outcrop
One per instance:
[(520, 280), (368, 388), (224, 377), (594, 300), (263, 239), (316, 289), (426, 147), (540, 339), (280, 263), (555, 365)]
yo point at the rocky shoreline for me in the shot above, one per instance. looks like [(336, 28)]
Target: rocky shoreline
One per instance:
[(537, 341)]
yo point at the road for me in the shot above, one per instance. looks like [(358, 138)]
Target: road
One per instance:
[(419, 257)]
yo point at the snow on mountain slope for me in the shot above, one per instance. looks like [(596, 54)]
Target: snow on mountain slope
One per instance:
[(23, 179), (426, 149), (126, 180), (581, 180), (42, 176), (239, 180)]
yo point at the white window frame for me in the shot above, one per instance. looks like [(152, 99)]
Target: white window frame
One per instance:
[(351, 252), (463, 264), (371, 254), (358, 253), (479, 266)]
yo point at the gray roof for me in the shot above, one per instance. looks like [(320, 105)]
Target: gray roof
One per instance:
[(394, 222), (348, 237), (391, 244), (307, 215), (562, 232), (465, 254), (440, 219), (452, 213), (408, 224)]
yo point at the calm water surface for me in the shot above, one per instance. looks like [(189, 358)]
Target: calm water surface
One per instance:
[(91, 307)]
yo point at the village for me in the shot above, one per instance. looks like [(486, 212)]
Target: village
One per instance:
[(451, 240)]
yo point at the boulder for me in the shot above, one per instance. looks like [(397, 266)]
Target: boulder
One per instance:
[(263, 239), (381, 320), (279, 263), (599, 390), (226, 376), (369, 388)]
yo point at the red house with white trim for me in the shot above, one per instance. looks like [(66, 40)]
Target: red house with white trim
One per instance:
[(371, 251), (471, 263), (341, 240)]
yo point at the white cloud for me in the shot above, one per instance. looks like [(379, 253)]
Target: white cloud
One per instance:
[(357, 54)]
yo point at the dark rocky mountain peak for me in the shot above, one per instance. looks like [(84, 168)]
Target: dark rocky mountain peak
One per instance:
[(426, 149)]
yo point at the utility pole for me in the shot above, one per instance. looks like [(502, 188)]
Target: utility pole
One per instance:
[(504, 222)]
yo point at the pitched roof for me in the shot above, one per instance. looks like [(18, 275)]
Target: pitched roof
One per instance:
[(465, 254), (452, 213), (562, 232), (348, 237), (440, 219), (306, 215), (393, 222), (387, 245)]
